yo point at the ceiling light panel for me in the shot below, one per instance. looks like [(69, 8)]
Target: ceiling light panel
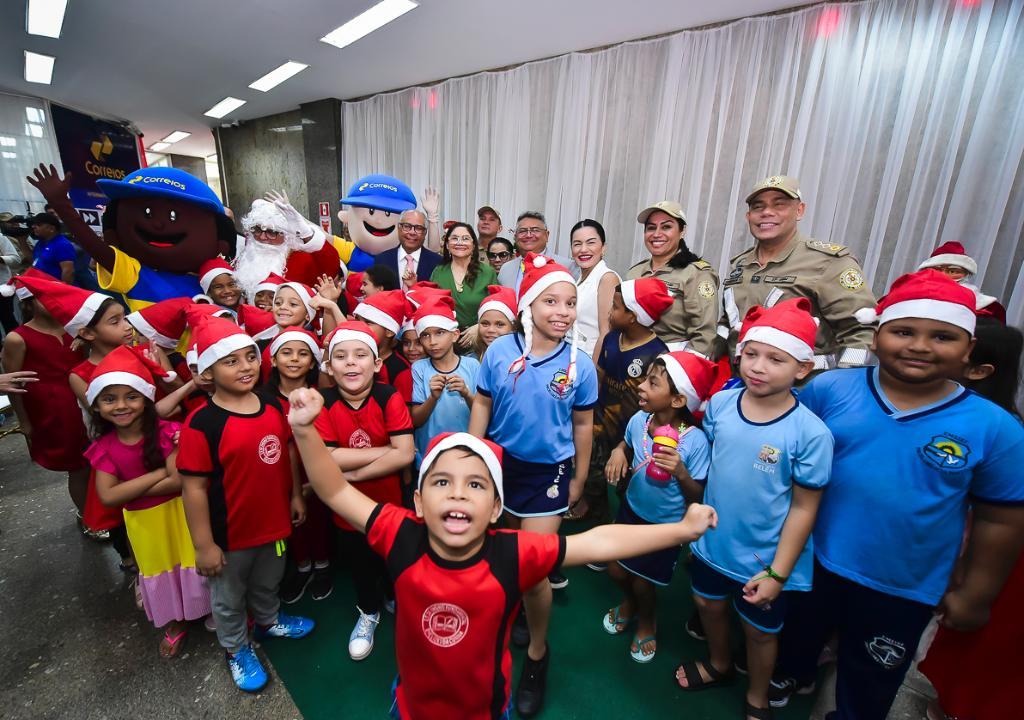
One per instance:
[(278, 75), (362, 25)]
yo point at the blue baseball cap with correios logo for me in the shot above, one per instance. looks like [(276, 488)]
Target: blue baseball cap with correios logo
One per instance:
[(381, 192), (163, 182)]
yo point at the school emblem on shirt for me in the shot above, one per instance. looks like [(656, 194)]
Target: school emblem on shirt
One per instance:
[(560, 386), (886, 652), (852, 279), (635, 368), (769, 454), (270, 449), (945, 453), (444, 624), (359, 439)]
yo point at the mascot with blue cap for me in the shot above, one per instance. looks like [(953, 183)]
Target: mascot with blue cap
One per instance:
[(377, 202), (161, 224)]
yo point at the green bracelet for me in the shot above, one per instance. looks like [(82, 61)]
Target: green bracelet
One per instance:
[(775, 576)]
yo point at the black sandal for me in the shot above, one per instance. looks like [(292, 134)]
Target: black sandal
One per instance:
[(758, 713), (695, 681)]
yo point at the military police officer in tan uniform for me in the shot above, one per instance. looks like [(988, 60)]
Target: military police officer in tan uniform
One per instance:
[(784, 263), (691, 321)]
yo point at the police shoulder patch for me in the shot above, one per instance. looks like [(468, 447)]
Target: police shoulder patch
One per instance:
[(702, 264), (852, 279), (828, 248), (706, 289)]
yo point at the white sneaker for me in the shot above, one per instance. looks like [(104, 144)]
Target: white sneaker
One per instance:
[(360, 642)]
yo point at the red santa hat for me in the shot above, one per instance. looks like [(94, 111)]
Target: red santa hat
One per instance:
[(162, 323), (437, 312), (212, 268), (693, 376), (787, 325), (418, 293), (22, 292), (302, 335), (486, 450), (348, 330), (951, 253), (647, 298), (269, 284), (540, 273), (305, 293), (925, 294), (259, 324), (499, 298), (216, 338), (126, 366), (387, 308), (72, 307)]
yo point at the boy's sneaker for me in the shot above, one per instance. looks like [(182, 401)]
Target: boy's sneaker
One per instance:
[(597, 567), (360, 642), (294, 584), (246, 670), (287, 626), (558, 581), (781, 689), (520, 630), (532, 684), (695, 628), (322, 585)]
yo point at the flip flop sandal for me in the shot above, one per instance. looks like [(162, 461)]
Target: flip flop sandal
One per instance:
[(174, 644), (758, 713), (612, 621), (695, 681), (638, 654)]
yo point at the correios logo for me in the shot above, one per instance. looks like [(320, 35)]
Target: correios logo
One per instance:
[(101, 148), (377, 186), (150, 180)]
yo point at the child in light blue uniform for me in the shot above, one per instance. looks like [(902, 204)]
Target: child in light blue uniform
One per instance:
[(676, 385), (771, 457)]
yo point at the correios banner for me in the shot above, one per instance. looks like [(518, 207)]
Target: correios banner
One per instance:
[(91, 150)]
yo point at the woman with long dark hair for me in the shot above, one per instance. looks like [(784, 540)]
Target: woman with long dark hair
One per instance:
[(595, 286), (462, 273)]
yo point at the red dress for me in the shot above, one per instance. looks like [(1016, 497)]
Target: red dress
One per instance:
[(58, 433), (96, 515)]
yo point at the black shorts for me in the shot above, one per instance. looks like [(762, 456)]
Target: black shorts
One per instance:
[(536, 489)]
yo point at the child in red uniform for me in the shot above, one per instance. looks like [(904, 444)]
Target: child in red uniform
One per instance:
[(217, 279), (240, 490), (369, 429), (384, 313), (457, 582)]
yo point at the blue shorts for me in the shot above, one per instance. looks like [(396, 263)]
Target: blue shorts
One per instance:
[(536, 489), (713, 585), (656, 567)]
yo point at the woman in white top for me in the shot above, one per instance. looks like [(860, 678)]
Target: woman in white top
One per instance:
[(596, 285)]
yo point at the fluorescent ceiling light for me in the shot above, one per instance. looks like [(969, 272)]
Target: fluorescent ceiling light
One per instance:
[(45, 17), (278, 76), (379, 15), (160, 146), (175, 136), (8, 155), (7, 141), (38, 68), (225, 106)]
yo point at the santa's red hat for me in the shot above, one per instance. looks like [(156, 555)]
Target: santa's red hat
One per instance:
[(72, 307), (387, 308), (348, 330), (489, 452), (305, 293), (540, 273), (162, 323), (436, 312), (269, 284), (787, 325), (925, 294), (211, 269), (647, 298), (693, 376), (22, 291), (499, 298), (129, 366), (216, 338), (259, 324), (301, 335), (951, 253)]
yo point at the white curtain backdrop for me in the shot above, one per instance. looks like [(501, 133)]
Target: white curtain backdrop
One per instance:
[(26, 139), (903, 120)]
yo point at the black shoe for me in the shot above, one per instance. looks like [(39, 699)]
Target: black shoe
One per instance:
[(294, 585), (558, 581), (532, 684), (695, 628), (321, 585), (782, 688), (520, 630)]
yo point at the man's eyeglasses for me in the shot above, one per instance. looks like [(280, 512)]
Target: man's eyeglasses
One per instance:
[(265, 231), (523, 232), (503, 255), (409, 227)]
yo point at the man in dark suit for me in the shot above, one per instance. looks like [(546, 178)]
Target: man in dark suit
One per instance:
[(410, 260)]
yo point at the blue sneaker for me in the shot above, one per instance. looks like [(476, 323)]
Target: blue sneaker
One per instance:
[(287, 626), (246, 670)]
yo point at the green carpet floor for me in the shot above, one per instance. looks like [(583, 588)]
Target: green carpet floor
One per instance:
[(591, 676)]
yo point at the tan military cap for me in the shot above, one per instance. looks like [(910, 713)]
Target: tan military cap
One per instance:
[(666, 206), (782, 183)]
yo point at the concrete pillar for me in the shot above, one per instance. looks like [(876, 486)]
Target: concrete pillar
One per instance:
[(321, 140)]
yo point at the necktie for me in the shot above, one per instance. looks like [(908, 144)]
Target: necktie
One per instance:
[(410, 265)]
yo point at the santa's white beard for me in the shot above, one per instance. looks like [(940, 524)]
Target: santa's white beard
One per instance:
[(256, 260)]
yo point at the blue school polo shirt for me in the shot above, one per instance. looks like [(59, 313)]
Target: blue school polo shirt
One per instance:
[(531, 415), (754, 467), (451, 413), (894, 513)]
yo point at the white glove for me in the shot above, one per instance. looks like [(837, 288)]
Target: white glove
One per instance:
[(308, 233), (431, 202)]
